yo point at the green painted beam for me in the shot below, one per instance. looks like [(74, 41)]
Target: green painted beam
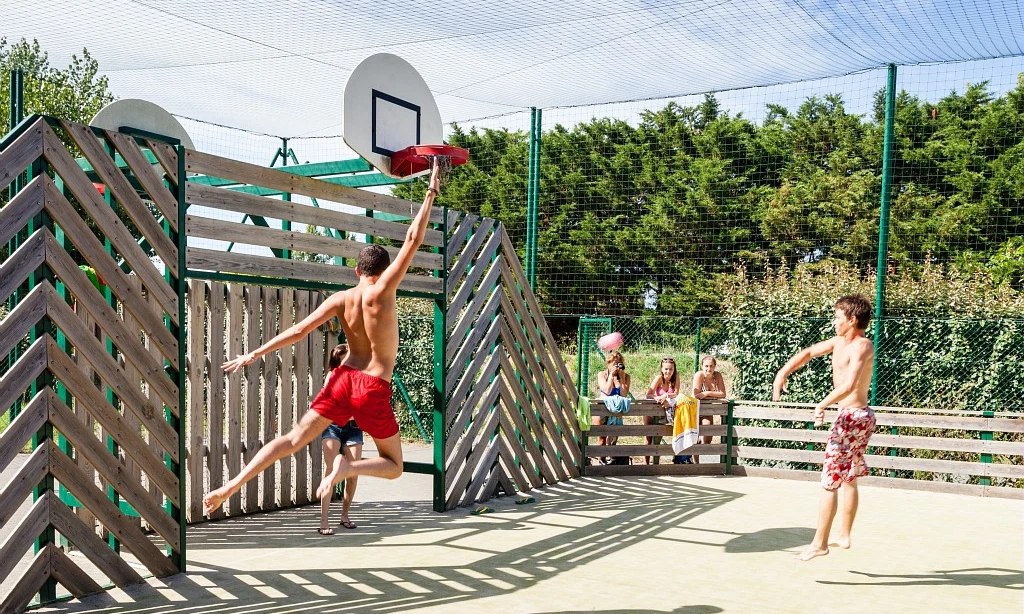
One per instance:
[(316, 169)]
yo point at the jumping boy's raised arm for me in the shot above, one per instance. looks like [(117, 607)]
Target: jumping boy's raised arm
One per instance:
[(392, 276), (333, 306)]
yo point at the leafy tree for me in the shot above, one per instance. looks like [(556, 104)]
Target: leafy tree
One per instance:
[(75, 93)]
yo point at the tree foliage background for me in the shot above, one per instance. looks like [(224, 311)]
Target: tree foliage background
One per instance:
[(652, 218)]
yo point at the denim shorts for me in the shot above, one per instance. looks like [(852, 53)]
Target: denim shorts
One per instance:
[(348, 435)]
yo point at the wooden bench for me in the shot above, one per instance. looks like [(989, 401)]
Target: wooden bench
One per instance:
[(661, 452)]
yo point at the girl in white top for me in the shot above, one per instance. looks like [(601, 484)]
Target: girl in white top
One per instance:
[(664, 386)]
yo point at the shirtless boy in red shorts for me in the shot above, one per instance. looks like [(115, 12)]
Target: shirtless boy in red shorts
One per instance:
[(361, 387), (852, 358)]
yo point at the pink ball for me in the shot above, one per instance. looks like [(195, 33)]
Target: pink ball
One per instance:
[(610, 342)]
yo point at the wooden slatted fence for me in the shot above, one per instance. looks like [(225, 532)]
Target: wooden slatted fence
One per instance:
[(510, 401), (775, 441), (91, 371), (232, 416), (629, 440)]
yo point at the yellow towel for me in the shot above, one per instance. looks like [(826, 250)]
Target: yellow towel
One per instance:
[(684, 426)]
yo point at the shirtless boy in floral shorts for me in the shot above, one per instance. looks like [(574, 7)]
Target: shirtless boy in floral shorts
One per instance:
[(852, 358)]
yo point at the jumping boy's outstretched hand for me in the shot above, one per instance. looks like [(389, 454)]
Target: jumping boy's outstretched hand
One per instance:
[(238, 362)]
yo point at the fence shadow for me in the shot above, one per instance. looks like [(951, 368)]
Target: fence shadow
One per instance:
[(994, 577), (404, 556)]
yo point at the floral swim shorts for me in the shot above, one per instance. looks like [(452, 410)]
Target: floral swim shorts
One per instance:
[(844, 452)]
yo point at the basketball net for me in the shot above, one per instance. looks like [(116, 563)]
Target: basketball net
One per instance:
[(445, 164)]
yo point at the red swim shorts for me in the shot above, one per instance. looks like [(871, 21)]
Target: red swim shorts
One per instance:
[(351, 394)]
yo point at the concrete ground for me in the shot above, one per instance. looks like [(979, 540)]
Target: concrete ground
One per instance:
[(665, 544)]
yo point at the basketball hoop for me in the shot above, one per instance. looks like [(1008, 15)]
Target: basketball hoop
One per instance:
[(419, 158)]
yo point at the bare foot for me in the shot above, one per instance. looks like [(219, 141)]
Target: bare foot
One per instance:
[(333, 477), (214, 499), (811, 552), (842, 542)]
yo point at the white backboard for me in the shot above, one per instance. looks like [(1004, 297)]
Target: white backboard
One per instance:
[(388, 107), (141, 115)]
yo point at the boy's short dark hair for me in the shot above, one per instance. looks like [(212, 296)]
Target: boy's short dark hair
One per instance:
[(856, 306), (373, 259), (337, 354)]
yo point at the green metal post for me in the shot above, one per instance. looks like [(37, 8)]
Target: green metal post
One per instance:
[(986, 457), (440, 370), (285, 224), (412, 408), (696, 348), (532, 197), (883, 225), (179, 468)]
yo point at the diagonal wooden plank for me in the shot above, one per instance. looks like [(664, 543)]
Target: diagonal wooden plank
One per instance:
[(20, 538), (560, 402), (521, 440), (89, 396), (481, 328), (25, 150), (29, 583), (117, 280), (25, 260), (459, 236), (460, 266), (107, 221), (471, 313), (90, 349), (467, 468), (17, 213), (85, 539), (123, 336), (254, 174), (536, 440), (114, 472), (120, 525), (511, 468), (20, 486), (544, 438), (482, 469), (167, 155), (21, 429), (482, 262), (546, 404), (18, 323), (482, 340), (534, 308), (519, 460), (196, 364), (23, 372), (459, 447), (103, 163), (476, 375), (70, 575), (147, 176)]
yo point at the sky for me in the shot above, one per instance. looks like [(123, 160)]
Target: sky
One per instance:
[(280, 67), (269, 69)]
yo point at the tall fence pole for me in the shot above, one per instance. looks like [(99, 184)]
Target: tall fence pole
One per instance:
[(883, 225), (533, 197)]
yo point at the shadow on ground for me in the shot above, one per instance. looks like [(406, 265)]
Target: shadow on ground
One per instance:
[(995, 577), (470, 557)]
